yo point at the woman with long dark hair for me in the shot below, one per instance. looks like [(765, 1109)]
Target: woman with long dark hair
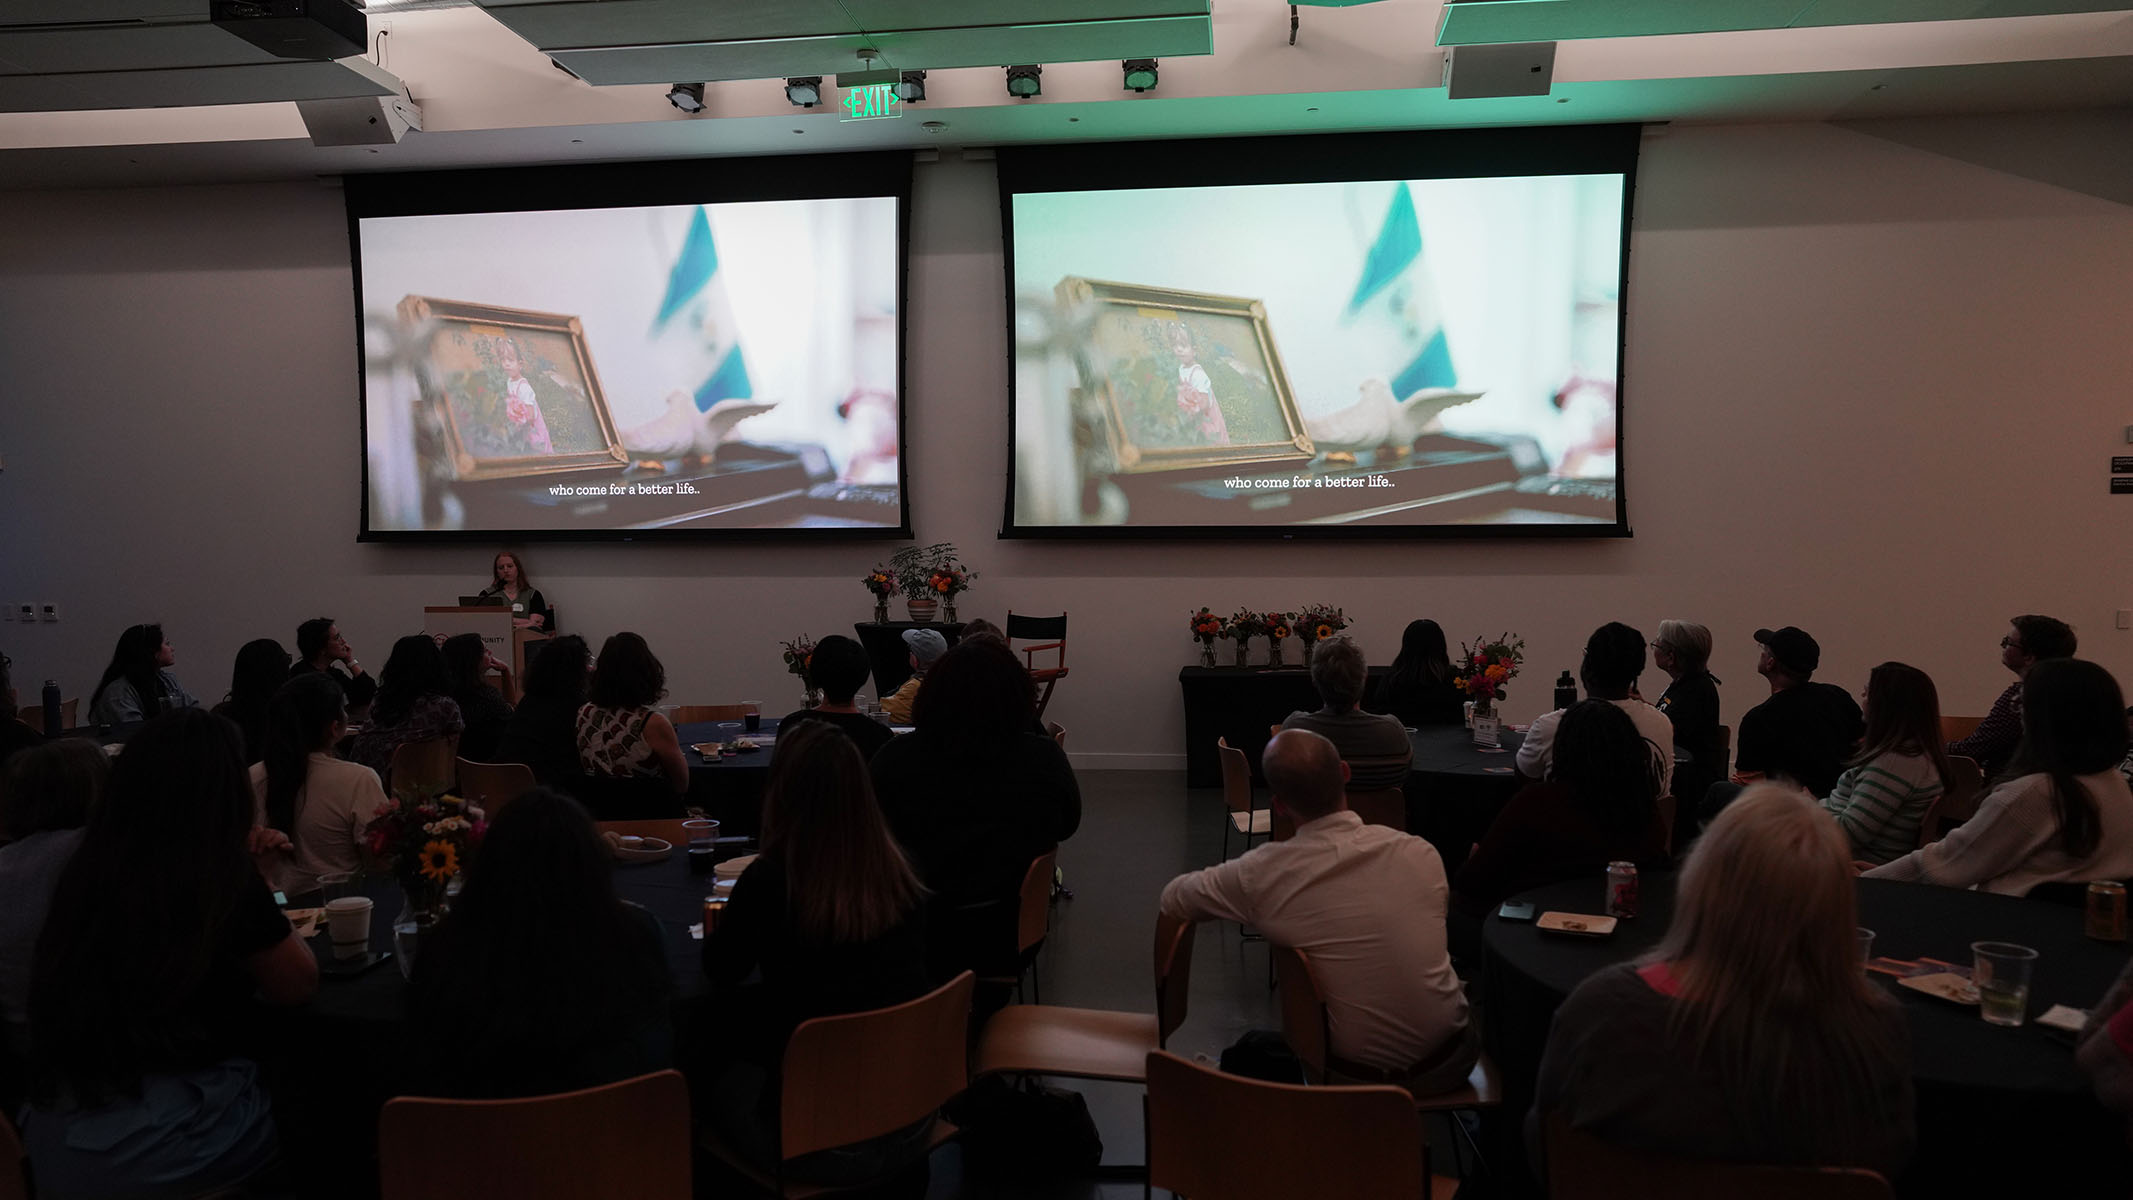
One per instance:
[(831, 915), (138, 684), (1750, 1035), (414, 704), (2064, 813), (1418, 688), (541, 980), (543, 730), (46, 795), (320, 802), (262, 667), (1901, 767), (161, 934), (467, 664), (620, 734)]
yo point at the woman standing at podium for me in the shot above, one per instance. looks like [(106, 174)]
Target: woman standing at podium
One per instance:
[(529, 610)]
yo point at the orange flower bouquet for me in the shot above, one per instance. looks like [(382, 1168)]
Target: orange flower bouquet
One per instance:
[(1482, 670)]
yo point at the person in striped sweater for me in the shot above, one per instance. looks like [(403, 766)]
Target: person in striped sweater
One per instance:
[(1900, 770)]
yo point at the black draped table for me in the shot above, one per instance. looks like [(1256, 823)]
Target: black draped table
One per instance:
[(2001, 1111), (887, 654), (1239, 704), (1455, 788), (729, 788)]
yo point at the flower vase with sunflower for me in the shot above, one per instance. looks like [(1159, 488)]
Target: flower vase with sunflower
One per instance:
[(1316, 624), (882, 582), (948, 581), (1206, 627), (1279, 626), (425, 841)]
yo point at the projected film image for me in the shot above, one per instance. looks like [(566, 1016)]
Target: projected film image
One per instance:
[(690, 367), (1395, 352)]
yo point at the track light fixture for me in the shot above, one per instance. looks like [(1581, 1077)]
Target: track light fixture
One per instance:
[(1023, 81), (804, 90), (911, 87), (688, 97), (1140, 74)]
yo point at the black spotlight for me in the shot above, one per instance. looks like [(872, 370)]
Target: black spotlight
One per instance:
[(1023, 81), (1140, 74), (804, 90), (911, 87), (688, 97)]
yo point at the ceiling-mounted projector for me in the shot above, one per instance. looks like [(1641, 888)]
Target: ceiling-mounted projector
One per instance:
[(306, 29)]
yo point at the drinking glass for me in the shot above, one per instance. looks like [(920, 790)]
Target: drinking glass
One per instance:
[(703, 843), (1866, 945), (754, 720), (2001, 972), (333, 885)]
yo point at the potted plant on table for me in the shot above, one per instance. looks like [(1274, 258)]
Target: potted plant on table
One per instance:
[(927, 574)]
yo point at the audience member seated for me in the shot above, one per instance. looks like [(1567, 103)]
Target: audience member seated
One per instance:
[(973, 796), (829, 919), (414, 704), (320, 802), (2030, 639), (1367, 904), (1750, 1035), (2105, 1050), (927, 646), (321, 648), (262, 667), (1418, 690), (508, 583), (840, 668), (541, 980), (543, 730), (1806, 731), (620, 734), (15, 734), (1900, 771), (980, 627), (1597, 807), (161, 939), (1374, 746), (1683, 650), (45, 799), (467, 663), (2063, 813), (138, 684), (1614, 658)]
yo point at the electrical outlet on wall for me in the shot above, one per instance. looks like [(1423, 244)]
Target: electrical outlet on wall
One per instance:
[(25, 612), (2125, 618), (50, 610)]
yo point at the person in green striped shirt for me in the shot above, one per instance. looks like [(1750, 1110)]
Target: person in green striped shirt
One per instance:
[(1901, 767)]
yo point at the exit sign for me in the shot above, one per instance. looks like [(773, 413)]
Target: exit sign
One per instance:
[(873, 102)]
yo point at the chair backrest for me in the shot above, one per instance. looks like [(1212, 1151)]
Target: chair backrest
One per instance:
[(1217, 1135), (33, 715), (1236, 776), (690, 714), (13, 1186), (667, 830), (624, 797), (1957, 801), (1582, 1167), (1667, 805), (1050, 632), (425, 765), (852, 1077), (1058, 733), (559, 1146), (1955, 729), (1380, 806), (1304, 1024), (1173, 974), (491, 786), (1034, 917), (1725, 752)]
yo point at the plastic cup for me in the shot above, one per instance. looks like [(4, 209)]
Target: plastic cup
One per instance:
[(334, 885), (753, 721), (2001, 972), (348, 924), (702, 835), (1866, 945)]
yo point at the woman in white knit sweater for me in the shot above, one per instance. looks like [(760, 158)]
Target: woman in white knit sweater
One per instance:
[(2064, 812)]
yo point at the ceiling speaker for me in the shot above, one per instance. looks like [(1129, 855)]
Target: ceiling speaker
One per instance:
[(360, 120), (1512, 69)]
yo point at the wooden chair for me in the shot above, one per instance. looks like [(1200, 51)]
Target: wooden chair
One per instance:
[(1237, 795), (1955, 729), (849, 1078), (563, 1147), (490, 786), (1582, 1167), (1380, 806), (1033, 923), (425, 766), (1667, 806), (691, 714), (33, 715), (1957, 801), (667, 830), (1049, 633), (1227, 1137), (1094, 1043), (14, 1185)]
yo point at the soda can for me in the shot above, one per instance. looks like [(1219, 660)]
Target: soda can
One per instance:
[(2107, 911), (1621, 889)]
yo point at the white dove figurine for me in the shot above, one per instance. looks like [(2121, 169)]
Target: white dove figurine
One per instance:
[(1376, 419), (683, 432)]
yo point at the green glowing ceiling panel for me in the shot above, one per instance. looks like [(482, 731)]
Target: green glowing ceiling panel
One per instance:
[(1480, 22)]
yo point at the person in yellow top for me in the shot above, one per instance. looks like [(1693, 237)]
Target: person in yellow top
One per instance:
[(927, 646)]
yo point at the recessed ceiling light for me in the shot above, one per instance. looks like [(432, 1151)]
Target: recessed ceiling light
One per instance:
[(1024, 81), (1073, 120), (799, 131), (577, 141), (688, 97), (934, 126), (1310, 110), (804, 90), (1140, 74)]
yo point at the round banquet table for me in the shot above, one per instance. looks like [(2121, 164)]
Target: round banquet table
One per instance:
[(1455, 788), (729, 788), (2000, 1111)]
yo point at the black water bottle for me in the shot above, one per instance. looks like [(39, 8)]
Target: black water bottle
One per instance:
[(51, 708), (1566, 691)]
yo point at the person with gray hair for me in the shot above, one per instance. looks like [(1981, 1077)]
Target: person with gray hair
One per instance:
[(1374, 746), (1682, 649), (1366, 904), (927, 646)]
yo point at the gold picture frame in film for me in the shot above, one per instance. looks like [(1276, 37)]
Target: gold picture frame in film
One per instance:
[(1184, 379), (514, 390)]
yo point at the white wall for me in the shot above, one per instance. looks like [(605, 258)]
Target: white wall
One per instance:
[(1871, 391)]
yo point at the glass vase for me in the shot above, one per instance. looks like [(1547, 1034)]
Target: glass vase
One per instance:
[(1273, 652), (421, 908), (1207, 653), (812, 698), (1308, 644), (948, 610), (881, 610), (1243, 647)]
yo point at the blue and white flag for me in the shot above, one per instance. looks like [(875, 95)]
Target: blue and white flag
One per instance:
[(1395, 306), (695, 321)]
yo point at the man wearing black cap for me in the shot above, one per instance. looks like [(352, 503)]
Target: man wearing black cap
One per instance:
[(1805, 730)]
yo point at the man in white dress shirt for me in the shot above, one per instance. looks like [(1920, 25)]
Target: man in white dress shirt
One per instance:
[(1614, 657)]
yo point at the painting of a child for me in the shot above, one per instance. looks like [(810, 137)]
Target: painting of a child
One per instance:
[(528, 427)]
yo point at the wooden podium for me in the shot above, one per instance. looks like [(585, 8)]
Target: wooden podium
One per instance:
[(493, 622)]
